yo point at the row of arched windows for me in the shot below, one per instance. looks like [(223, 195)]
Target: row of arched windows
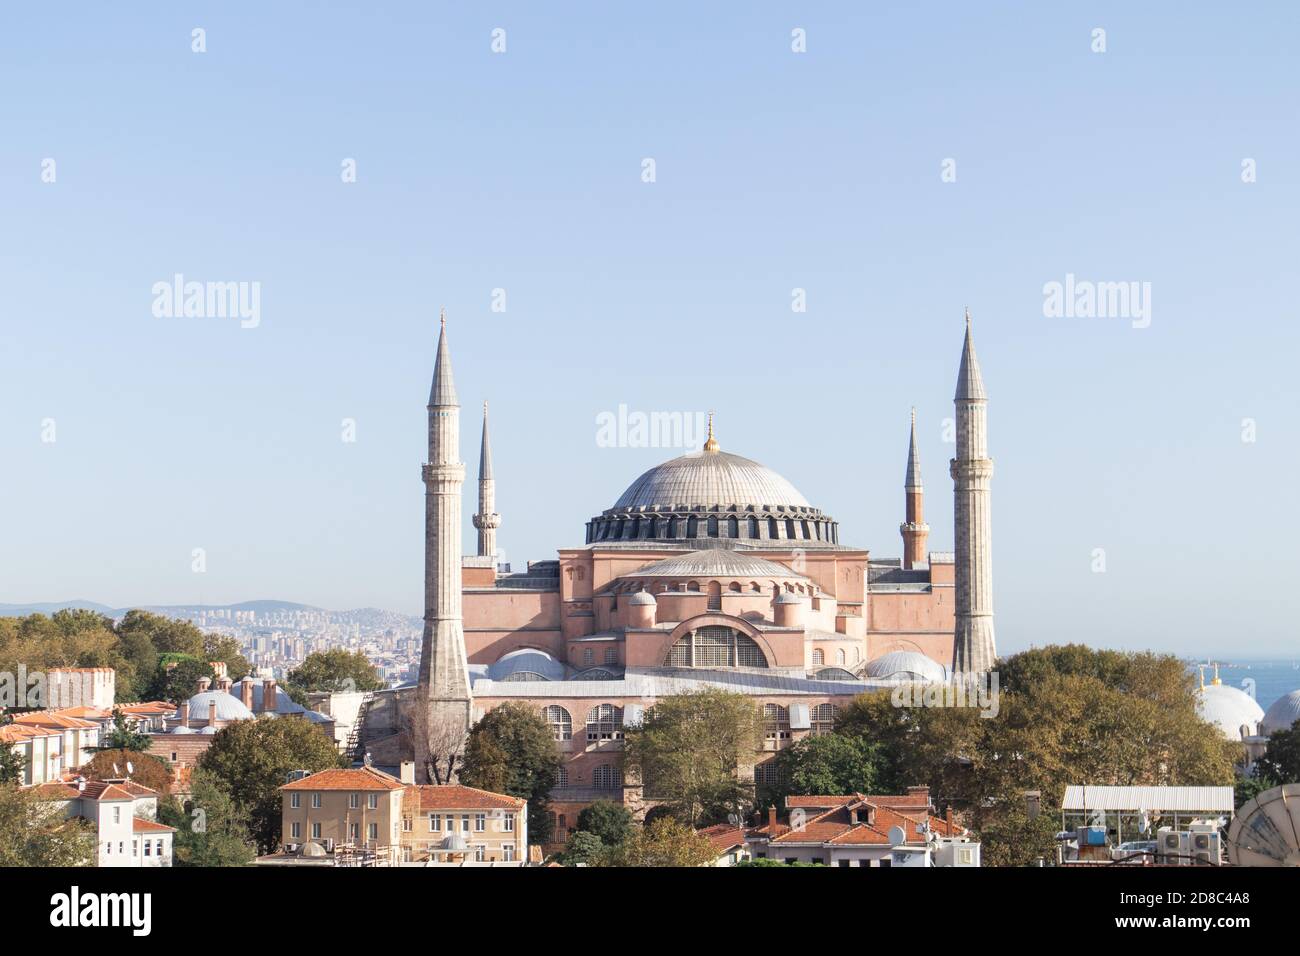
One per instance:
[(604, 722), (776, 720)]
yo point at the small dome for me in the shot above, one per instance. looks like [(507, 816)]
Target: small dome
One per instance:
[(906, 666), (789, 597), (229, 707), (313, 849), (642, 599), (526, 661), (454, 841), (1234, 711), (209, 730), (182, 729), (1281, 714)]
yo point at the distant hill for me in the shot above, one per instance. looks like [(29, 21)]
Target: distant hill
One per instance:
[(49, 607), (21, 610)]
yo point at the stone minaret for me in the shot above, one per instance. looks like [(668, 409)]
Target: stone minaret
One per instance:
[(974, 649), (914, 529), (443, 702), (487, 520)]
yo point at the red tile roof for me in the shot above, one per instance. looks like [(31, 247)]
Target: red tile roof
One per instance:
[(53, 718), (148, 826), (835, 824), (18, 733), (724, 836), (455, 797), (358, 778), (115, 790)]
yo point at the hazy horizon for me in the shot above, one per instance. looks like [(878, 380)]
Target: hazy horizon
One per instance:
[(129, 440)]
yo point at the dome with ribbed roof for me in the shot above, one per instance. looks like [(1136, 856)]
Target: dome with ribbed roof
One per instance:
[(708, 479), (712, 563), (1281, 714)]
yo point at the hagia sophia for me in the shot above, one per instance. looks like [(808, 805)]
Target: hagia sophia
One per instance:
[(709, 570)]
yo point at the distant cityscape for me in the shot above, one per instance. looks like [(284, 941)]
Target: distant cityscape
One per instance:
[(277, 636)]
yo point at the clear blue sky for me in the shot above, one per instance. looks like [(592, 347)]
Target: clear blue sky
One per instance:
[(775, 170)]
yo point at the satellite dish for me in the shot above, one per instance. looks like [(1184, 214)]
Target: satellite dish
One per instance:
[(1267, 830), (897, 836), (1144, 821), (115, 773), (130, 768)]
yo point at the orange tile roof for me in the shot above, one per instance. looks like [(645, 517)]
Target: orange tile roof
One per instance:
[(115, 790), (456, 797), (56, 791), (53, 718), (835, 825), (724, 836), (357, 778), (154, 708), (148, 826), (18, 733)]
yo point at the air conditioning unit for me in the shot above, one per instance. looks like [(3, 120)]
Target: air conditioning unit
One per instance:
[(1171, 846), (1205, 847)]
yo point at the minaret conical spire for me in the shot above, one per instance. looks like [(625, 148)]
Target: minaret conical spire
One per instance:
[(970, 384), (443, 391), (914, 530), (485, 450), (913, 480)]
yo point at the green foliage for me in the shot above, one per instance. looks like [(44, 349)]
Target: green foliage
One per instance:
[(1009, 838), (333, 670), (251, 759), (123, 736), (585, 849), (1248, 788), (177, 684), (1281, 760), (11, 766), (768, 861), (35, 832), (512, 750), (666, 842), (826, 764), (211, 828), (689, 750), (606, 820)]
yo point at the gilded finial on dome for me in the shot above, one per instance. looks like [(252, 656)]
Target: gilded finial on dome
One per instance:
[(711, 443)]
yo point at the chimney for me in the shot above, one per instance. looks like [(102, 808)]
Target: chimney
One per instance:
[(408, 771), (921, 794), (771, 821), (947, 818), (212, 713), (270, 698), (246, 693), (183, 712), (204, 684)]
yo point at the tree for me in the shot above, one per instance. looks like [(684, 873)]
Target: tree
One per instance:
[(689, 751), (35, 832), (177, 678), (220, 647), (606, 820), (1009, 837), (512, 750), (666, 842), (251, 760), (334, 670), (446, 743), (585, 849), (167, 635), (145, 769), (826, 764), (1281, 760), (123, 736), (211, 828), (768, 861)]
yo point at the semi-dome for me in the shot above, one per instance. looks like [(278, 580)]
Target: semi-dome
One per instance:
[(642, 599), (454, 842), (1281, 714), (229, 707), (906, 666), (708, 479), (526, 664), (715, 562), (1233, 711)]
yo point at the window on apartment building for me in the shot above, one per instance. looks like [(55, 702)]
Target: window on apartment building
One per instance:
[(315, 801), (117, 814), (373, 802), (776, 722), (121, 847), (147, 848), (407, 824), (158, 847), (174, 756), (354, 801), (604, 777), (354, 832), (480, 853), (560, 721), (295, 831), (295, 800), (435, 822), (315, 831), (374, 831), (510, 823), (464, 823), (508, 852), (406, 854), (823, 718), (605, 722), (480, 822)]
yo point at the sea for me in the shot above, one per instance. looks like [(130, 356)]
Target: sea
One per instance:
[(1272, 678)]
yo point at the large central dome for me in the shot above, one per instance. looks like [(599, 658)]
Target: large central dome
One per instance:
[(713, 495), (710, 479)]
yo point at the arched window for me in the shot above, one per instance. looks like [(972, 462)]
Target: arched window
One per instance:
[(776, 722), (523, 675), (715, 646), (604, 778), (560, 721), (604, 722), (839, 657), (823, 718), (818, 657), (715, 596), (753, 527), (734, 587)]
